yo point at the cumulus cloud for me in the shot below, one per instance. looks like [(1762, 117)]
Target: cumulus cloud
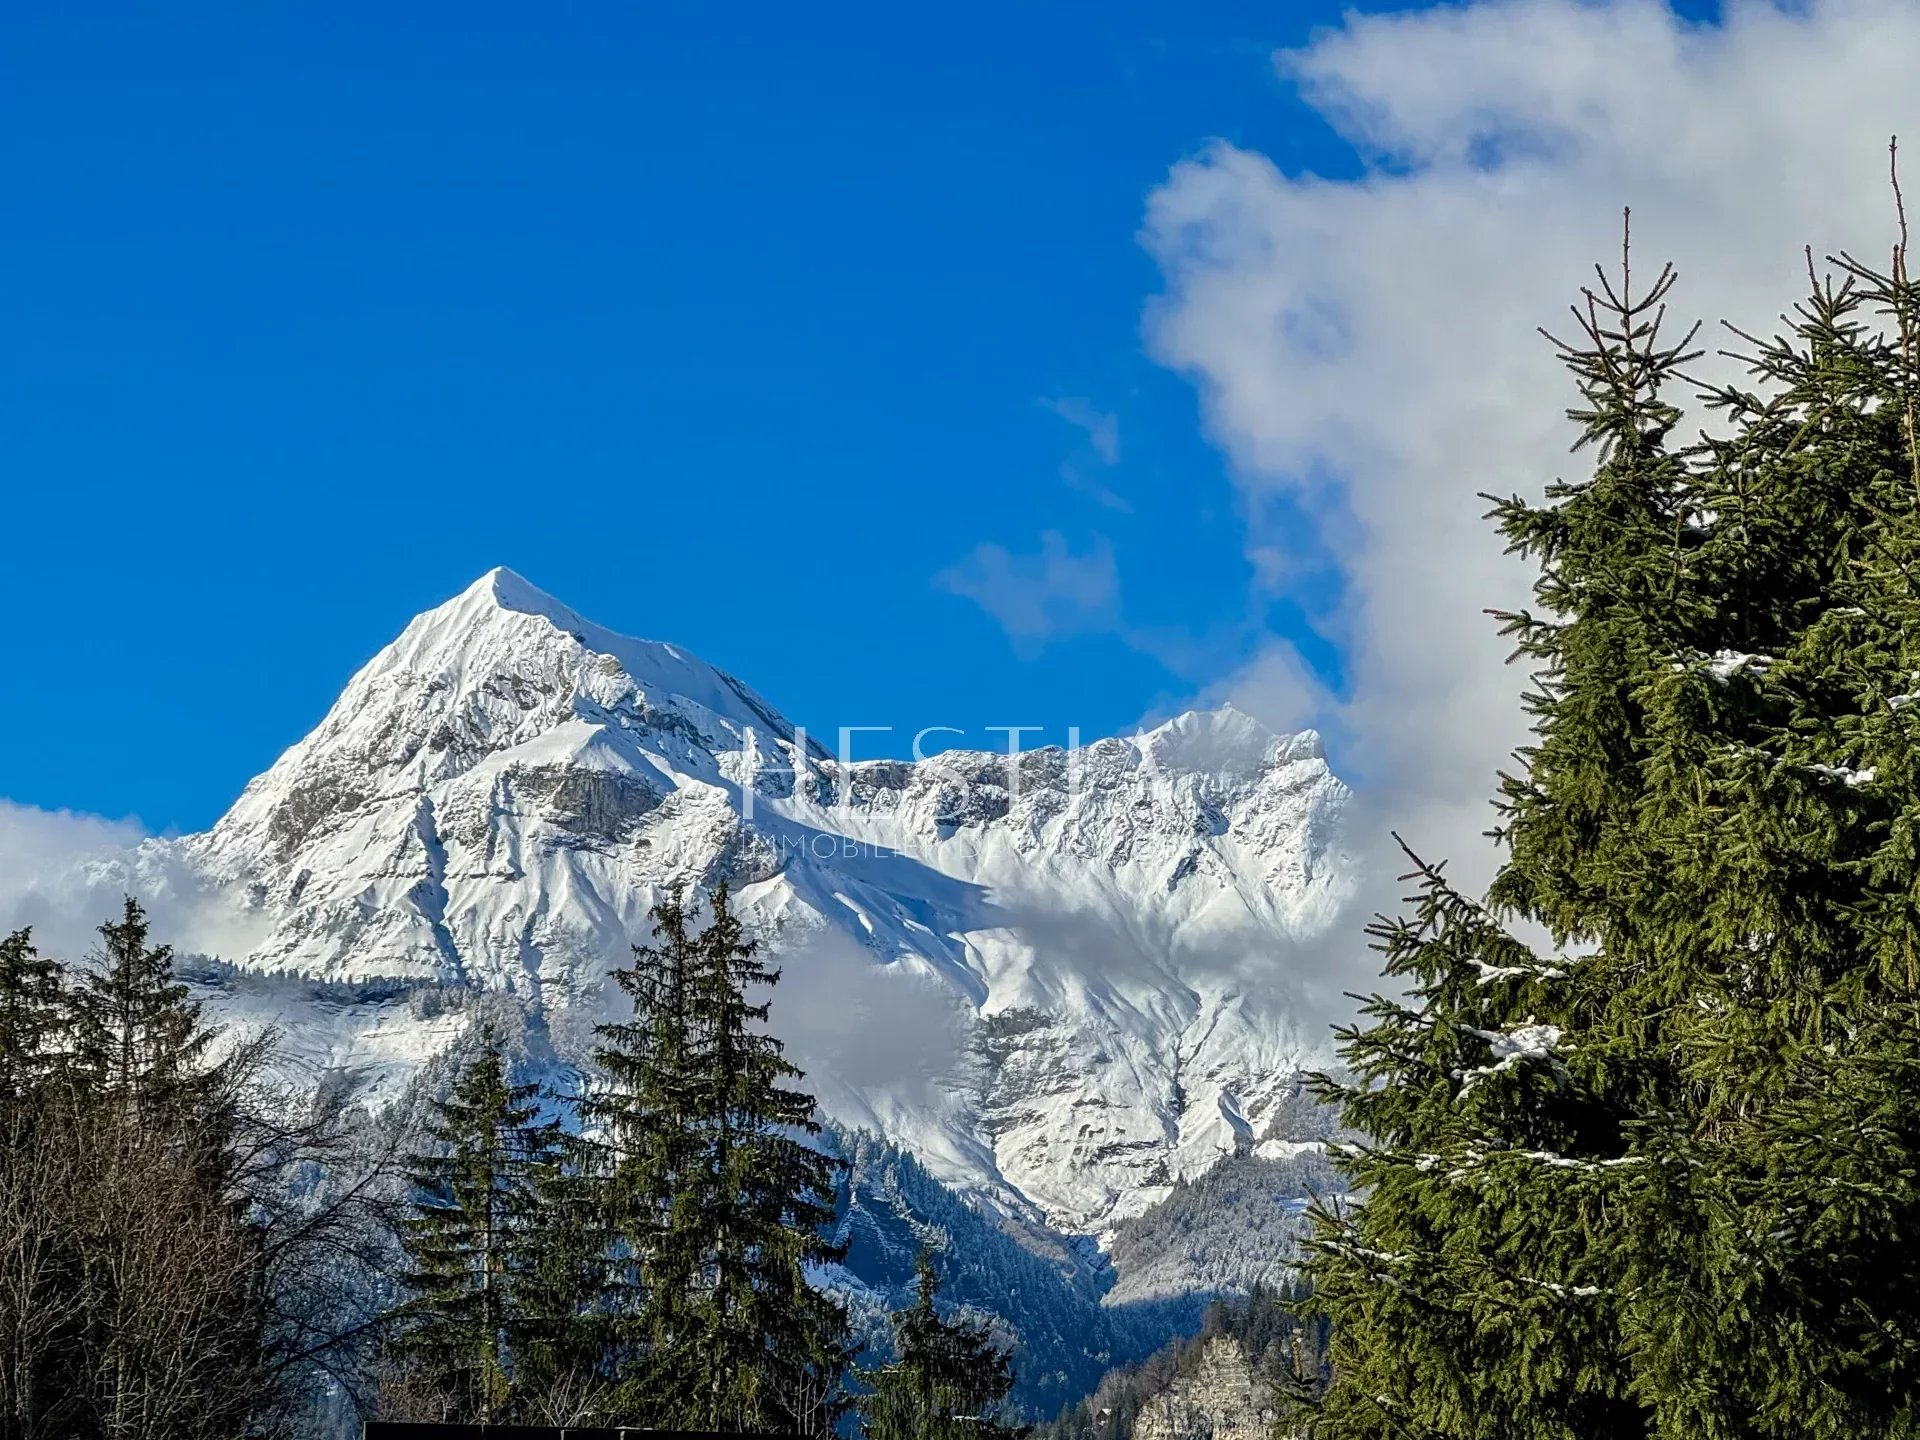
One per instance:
[(62, 872), (1367, 349), (1041, 596)]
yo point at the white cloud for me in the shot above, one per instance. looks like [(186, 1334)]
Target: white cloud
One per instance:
[(1276, 685), (63, 872), (1101, 428), (1382, 330), (1101, 452), (1041, 596), (875, 1041)]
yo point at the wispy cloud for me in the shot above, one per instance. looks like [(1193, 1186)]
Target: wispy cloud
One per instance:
[(1041, 596), (1367, 350), (1099, 453), (1102, 428)]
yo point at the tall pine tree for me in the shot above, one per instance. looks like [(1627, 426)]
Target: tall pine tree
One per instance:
[(473, 1242), (32, 1021), (1800, 1045), (135, 1299), (1662, 1185), (950, 1381), (720, 1203), (137, 1034), (641, 1117), (565, 1349), (1471, 1294)]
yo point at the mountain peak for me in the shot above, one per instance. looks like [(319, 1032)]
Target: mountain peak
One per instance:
[(504, 589), (507, 649), (499, 796), (504, 596), (1226, 739)]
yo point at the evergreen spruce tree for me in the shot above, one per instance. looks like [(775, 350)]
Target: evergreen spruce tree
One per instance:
[(138, 1037), (641, 1115), (136, 1298), (1472, 1293), (565, 1322), (31, 1020), (773, 1349), (949, 1382), (1802, 1044), (1662, 1185), (720, 1205), (474, 1242)]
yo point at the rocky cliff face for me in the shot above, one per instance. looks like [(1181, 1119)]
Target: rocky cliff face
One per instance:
[(1061, 982), (1222, 1400)]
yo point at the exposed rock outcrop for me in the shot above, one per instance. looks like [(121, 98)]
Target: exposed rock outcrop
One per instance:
[(1222, 1400)]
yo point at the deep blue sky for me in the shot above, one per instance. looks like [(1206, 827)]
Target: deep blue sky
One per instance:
[(728, 325)]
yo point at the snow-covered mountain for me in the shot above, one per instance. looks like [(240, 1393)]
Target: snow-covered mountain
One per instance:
[(1061, 983)]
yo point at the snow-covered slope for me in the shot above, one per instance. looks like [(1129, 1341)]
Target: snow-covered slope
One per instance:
[(1061, 984)]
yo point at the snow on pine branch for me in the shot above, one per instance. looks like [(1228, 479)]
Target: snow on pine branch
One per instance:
[(1723, 665), (1531, 1041), (1475, 1159), (1493, 974), (1841, 772)]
